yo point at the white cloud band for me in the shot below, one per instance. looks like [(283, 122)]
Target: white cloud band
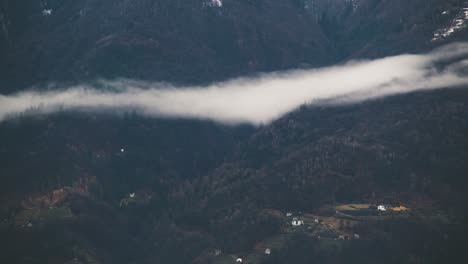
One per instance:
[(256, 100)]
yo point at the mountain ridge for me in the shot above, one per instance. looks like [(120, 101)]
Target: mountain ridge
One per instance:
[(185, 42)]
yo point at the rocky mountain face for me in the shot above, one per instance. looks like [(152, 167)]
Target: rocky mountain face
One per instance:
[(96, 188)]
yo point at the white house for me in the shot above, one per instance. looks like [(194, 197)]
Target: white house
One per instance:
[(267, 251), (381, 208), (132, 195), (297, 222), (288, 214), (239, 260)]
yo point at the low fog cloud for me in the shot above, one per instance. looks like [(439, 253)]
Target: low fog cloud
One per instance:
[(256, 100)]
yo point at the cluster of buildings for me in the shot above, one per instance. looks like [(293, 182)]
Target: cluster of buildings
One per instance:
[(297, 221)]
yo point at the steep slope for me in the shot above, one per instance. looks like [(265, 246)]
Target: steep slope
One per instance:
[(407, 147), (179, 41), (198, 42), (406, 144)]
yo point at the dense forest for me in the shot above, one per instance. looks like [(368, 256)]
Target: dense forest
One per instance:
[(214, 183), (188, 42)]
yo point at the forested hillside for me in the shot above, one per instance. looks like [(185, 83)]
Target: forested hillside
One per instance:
[(195, 42), (202, 186)]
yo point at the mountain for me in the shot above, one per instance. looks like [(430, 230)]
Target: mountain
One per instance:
[(200, 186), (194, 42), (121, 188)]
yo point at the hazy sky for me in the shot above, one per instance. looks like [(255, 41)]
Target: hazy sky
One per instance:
[(257, 100)]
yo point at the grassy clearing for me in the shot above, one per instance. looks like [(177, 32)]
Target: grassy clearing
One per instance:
[(352, 207)]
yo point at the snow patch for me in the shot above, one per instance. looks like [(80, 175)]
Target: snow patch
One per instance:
[(458, 23), (213, 3), (47, 12)]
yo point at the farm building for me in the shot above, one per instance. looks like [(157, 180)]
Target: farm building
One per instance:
[(384, 207), (297, 222)]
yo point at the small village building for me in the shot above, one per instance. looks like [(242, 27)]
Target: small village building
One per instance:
[(217, 252), (316, 220), (239, 260), (268, 251), (288, 214), (381, 208), (297, 222), (356, 236), (132, 195)]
